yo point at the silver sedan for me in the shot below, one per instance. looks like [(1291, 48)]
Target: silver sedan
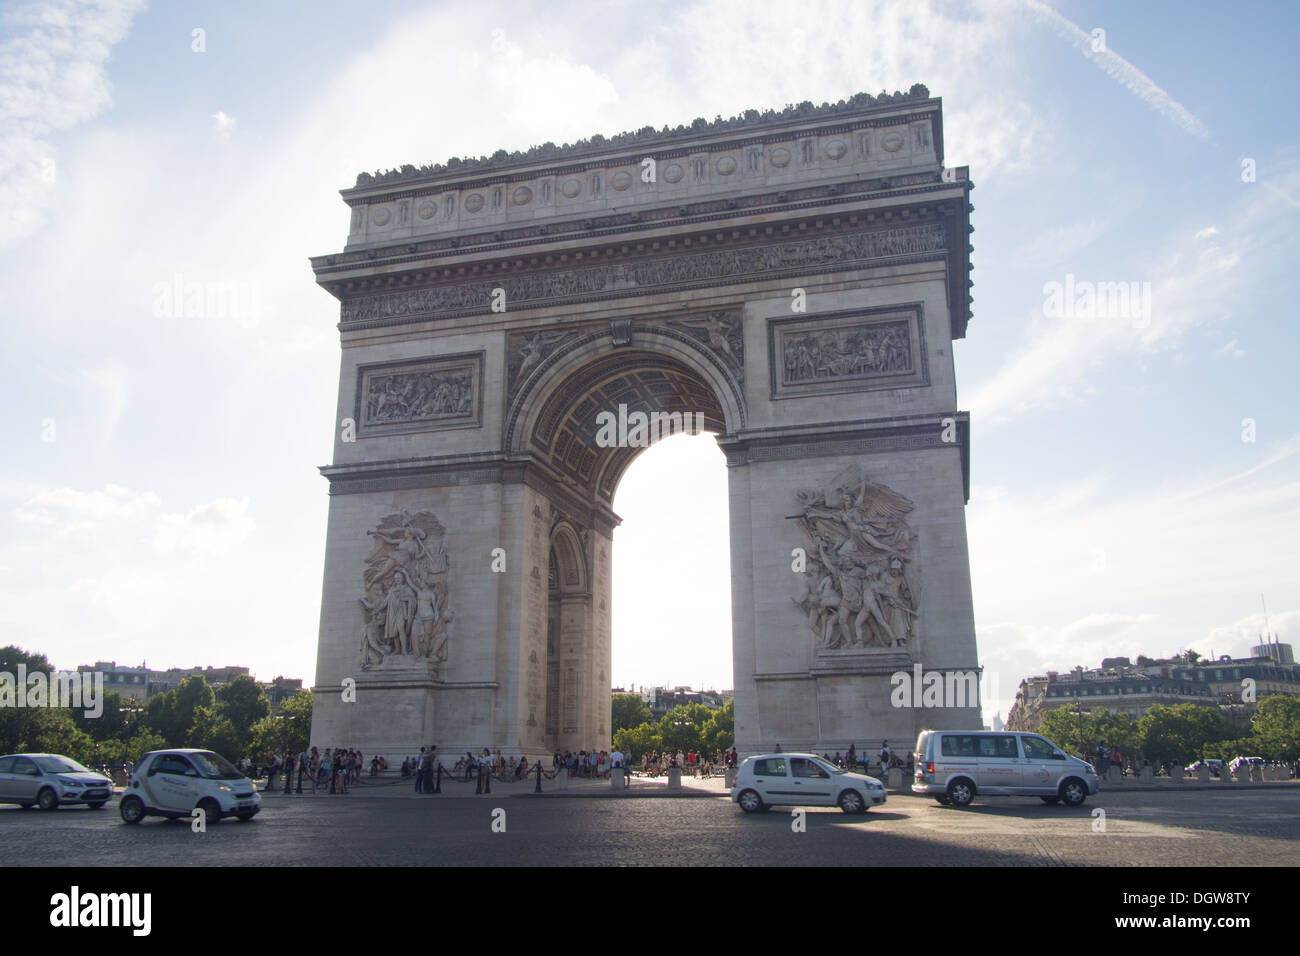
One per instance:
[(48, 780)]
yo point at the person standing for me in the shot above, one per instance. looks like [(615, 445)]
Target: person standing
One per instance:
[(485, 762), (419, 773), (884, 756), (426, 768)]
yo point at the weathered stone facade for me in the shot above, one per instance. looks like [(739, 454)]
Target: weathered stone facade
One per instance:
[(793, 281)]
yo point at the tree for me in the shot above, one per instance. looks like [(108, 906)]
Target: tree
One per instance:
[(720, 728), (1179, 734), (630, 711), (218, 734), (637, 741), (681, 729), (289, 731), (16, 727), (172, 712), (1065, 727), (243, 703), (118, 720), (1277, 727)]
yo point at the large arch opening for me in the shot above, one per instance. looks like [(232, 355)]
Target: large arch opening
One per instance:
[(581, 436)]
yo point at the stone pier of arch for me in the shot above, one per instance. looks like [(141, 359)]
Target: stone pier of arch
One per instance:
[(794, 280)]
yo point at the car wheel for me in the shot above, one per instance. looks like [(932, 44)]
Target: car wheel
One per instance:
[(211, 811), (132, 809), (48, 799), (851, 802), (1073, 793), (961, 793), (97, 805), (750, 801), (1050, 799), (245, 817)]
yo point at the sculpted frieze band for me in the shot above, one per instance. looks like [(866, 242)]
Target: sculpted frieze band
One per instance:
[(732, 265)]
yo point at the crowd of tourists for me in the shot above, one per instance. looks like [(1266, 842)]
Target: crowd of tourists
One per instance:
[(333, 770)]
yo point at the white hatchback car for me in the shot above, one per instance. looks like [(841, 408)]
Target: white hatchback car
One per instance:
[(803, 780), (174, 783)]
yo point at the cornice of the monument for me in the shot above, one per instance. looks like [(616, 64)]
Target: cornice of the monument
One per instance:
[(598, 146)]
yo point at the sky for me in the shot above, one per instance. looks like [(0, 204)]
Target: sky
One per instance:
[(1135, 478)]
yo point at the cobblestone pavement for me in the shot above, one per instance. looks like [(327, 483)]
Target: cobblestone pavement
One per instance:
[(384, 826)]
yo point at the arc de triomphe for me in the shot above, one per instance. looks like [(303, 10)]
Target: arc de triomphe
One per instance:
[(512, 330)]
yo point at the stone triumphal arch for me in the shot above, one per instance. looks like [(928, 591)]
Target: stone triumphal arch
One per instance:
[(790, 281)]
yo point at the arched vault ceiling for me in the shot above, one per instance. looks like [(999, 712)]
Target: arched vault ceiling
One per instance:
[(564, 435)]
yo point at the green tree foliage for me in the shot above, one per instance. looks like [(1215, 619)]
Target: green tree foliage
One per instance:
[(629, 711), (288, 731), (243, 703), (119, 720), (720, 729), (1179, 734), (1066, 728), (639, 740), (52, 730), (172, 712), (16, 723), (1277, 727), (682, 728)]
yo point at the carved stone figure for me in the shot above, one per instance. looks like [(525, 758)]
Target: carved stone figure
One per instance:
[(855, 591), (405, 608), (722, 332)]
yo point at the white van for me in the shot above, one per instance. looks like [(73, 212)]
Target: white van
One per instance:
[(954, 765)]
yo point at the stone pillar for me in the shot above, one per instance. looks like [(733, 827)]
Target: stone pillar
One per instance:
[(674, 778), (616, 778), (1147, 775), (1113, 776), (729, 777), (1225, 775), (895, 781), (1203, 773), (1243, 773), (562, 778), (1256, 773), (1176, 773)]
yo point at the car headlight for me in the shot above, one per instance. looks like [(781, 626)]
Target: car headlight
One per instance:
[(225, 788)]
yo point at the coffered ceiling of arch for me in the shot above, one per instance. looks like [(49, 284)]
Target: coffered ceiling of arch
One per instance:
[(639, 381)]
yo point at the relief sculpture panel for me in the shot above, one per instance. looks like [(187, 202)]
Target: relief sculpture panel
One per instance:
[(852, 351), (420, 396)]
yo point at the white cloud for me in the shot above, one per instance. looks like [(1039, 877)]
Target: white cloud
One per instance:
[(1120, 70), (1207, 232), (1197, 284), (1230, 349), (223, 124), (52, 77)]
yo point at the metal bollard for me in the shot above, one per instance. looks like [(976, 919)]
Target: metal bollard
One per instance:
[(538, 788), (437, 780)]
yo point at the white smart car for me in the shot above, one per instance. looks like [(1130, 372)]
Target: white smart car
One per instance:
[(803, 780), (174, 783)]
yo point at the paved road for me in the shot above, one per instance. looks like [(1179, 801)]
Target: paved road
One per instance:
[(1237, 827)]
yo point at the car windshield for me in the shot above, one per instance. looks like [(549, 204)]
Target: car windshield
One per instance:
[(60, 765), (215, 767), (827, 766)]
